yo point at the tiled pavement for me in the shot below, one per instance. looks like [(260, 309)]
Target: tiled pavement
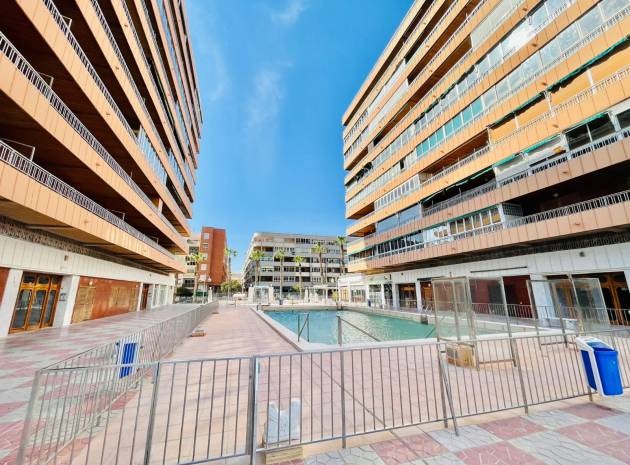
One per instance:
[(21, 355), (583, 433)]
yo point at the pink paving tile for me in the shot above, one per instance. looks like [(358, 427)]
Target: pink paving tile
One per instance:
[(590, 411), (502, 453), (394, 452), (592, 434), (620, 450), (424, 445), (8, 407), (511, 428)]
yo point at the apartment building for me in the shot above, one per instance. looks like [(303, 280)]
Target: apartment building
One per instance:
[(323, 261), (490, 139), (99, 136), (212, 269)]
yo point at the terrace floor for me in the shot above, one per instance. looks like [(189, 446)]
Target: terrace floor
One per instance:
[(566, 432), (561, 433), (21, 355)]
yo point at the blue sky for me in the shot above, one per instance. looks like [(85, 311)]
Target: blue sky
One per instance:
[(275, 77)]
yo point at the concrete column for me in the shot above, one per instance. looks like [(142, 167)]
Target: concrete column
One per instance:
[(395, 296), (383, 303), (418, 295), (7, 304), (541, 294), (67, 298), (139, 303)]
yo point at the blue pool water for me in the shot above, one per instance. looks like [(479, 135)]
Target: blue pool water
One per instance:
[(323, 326)]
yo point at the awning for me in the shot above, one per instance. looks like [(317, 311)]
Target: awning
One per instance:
[(539, 144), (587, 120), (588, 64), (505, 160), (534, 99), (431, 196), (475, 176)]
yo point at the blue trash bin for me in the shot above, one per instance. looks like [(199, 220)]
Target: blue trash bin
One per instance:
[(605, 376), (608, 365), (127, 357)]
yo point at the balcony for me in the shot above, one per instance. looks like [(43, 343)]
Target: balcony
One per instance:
[(42, 88), (164, 259), (616, 204)]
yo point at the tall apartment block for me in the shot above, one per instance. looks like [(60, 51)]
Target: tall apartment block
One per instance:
[(491, 139), (212, 269), (99, 134), (320, 267)]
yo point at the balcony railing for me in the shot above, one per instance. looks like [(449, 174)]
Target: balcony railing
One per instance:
[(18, 161), (15, 57), (155, 87), (570, 51), (429, 95), (588, 205), (114, 45)]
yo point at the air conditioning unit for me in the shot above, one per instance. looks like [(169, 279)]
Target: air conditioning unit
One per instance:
[(461, 355)]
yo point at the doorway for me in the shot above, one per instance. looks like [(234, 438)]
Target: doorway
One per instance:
[(36, 302), (145, 297)]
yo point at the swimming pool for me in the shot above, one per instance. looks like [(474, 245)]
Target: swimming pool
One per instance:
[(323, 326)]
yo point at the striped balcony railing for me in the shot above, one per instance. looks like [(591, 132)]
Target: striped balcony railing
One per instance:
[(18, 161), (15, 57)]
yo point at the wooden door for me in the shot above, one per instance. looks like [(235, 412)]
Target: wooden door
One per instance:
[(83, 304)]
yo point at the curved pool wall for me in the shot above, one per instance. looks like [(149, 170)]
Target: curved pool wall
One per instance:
[(384, 325)]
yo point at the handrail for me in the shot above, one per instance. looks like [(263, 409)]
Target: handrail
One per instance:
[(587, 205), (155, 86), (21, 163), (594, 33), (307, 323), (55, 101), (341, 320), (117, 52), (570, 50), (65, 29)]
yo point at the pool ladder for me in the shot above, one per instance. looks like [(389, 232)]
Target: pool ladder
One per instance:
[(301, 327), (341, 321)]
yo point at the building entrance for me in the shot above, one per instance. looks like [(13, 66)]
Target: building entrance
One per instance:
[(36, 302)]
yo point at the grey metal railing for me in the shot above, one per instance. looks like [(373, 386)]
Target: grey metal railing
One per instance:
[(21, 163), (568, 52), (191, 411), (15, 57), (71, 397), (587, 205)]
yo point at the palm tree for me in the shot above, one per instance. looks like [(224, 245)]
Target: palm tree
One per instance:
[(195, 258), (279, 255), (229, 253), (257, 256), (341, 241), (319, 249), (298, 259)]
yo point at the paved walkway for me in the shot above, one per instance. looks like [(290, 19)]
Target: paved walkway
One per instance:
[(21, 355), (577, 433), (234, 331)]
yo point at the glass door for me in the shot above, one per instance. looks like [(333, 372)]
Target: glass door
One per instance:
[(36, 302)]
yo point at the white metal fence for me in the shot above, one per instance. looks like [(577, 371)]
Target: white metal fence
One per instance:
[(176, 412)]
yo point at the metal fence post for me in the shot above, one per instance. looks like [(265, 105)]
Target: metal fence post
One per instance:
[(343, 395), (29, 417), (447, 390), (339, 331), (252, 427), (151, 425), (517, 361)]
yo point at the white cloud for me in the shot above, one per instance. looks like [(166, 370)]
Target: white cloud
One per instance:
[(290, 14), (264, 104)]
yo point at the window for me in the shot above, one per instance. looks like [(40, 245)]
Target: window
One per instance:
[(206, 235), (203, 267), (624, 119), (600, 127), (496, 216), (568, 37), (590, 21)]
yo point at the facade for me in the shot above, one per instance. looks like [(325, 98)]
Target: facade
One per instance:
[(314, 273), (99, 137), (490, 139), (212, 269)]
